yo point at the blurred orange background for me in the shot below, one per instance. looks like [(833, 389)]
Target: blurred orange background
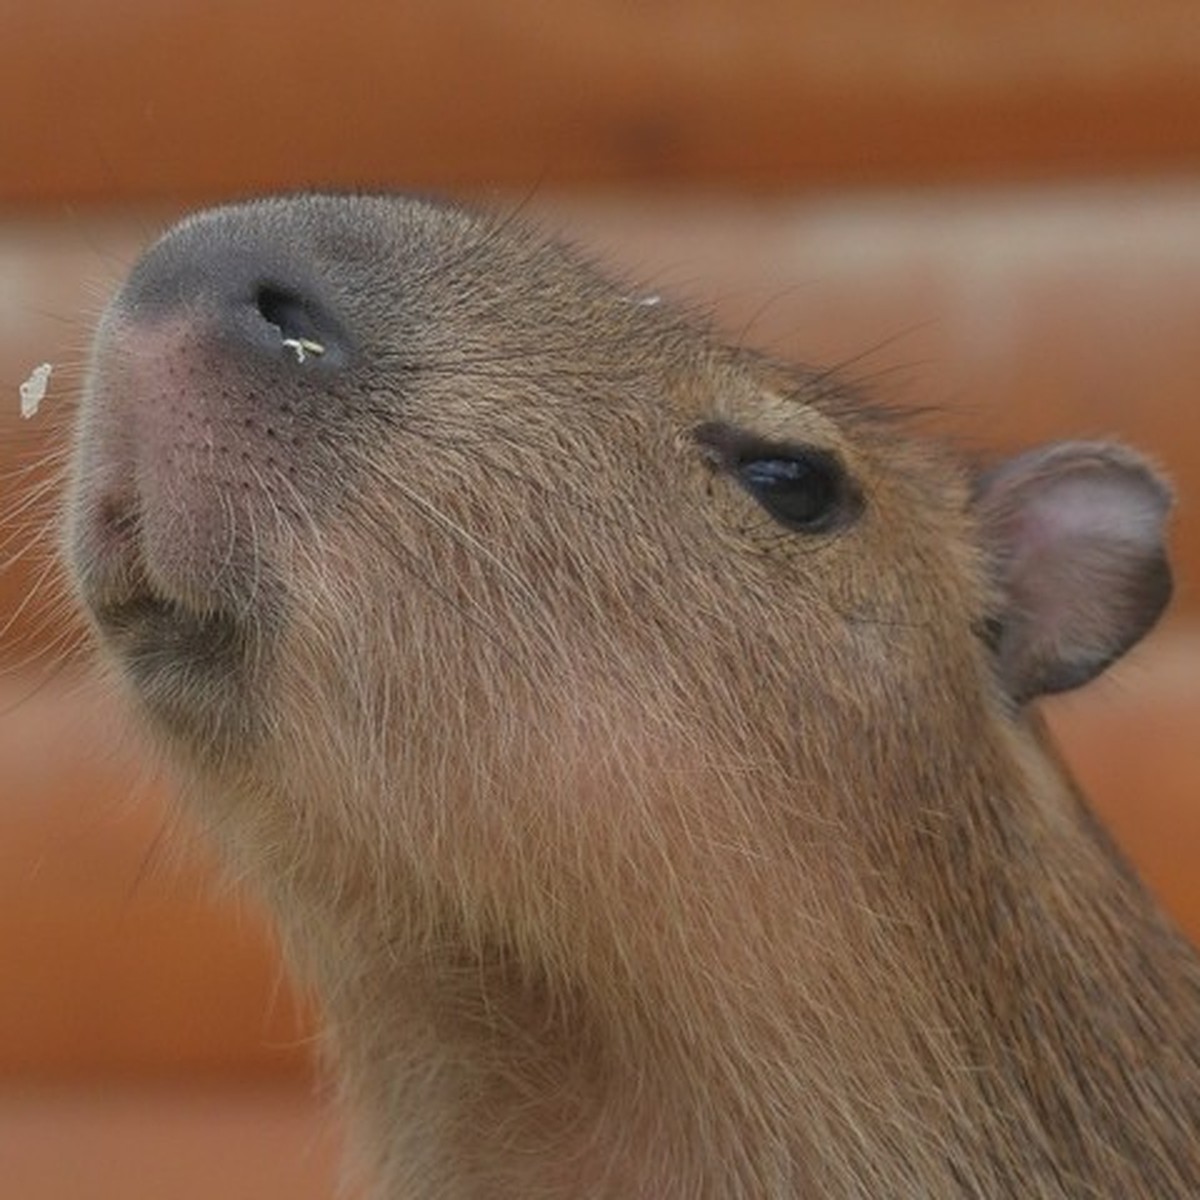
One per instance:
[(990, 210)]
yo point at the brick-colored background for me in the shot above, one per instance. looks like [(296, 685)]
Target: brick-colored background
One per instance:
[(1026, 260)]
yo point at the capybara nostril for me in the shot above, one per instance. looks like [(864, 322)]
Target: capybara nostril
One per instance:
[(300, 326)]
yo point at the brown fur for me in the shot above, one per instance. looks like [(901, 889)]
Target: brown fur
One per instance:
[(635, 845)]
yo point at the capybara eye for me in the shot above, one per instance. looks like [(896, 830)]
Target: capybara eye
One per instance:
[(803, 490)]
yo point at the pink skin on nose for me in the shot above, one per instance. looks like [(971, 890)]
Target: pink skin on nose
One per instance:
[(166, 464)]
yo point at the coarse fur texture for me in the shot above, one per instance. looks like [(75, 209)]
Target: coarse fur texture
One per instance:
[(631, 733)]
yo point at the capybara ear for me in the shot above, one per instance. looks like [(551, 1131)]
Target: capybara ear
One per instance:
[(1075, 536)]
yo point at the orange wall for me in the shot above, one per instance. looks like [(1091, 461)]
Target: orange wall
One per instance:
[(130, 101)]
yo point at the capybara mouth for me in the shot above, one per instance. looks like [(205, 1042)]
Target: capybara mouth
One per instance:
[(184, 652), (148, 616), (156, 636), (187, 665), (117, 577)]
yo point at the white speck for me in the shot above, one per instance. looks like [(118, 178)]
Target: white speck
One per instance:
[(303, 347), (33, 389)]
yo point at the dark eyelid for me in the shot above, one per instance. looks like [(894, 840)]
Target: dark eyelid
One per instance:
[(731, 446)]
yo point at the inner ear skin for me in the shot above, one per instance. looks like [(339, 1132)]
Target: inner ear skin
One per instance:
[(1049, 669), (1075, 535)]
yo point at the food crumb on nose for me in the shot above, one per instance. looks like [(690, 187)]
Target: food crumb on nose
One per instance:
[(33, 389), (303, 347)]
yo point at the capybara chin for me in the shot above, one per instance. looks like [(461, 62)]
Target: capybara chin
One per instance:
[(632, 735)]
